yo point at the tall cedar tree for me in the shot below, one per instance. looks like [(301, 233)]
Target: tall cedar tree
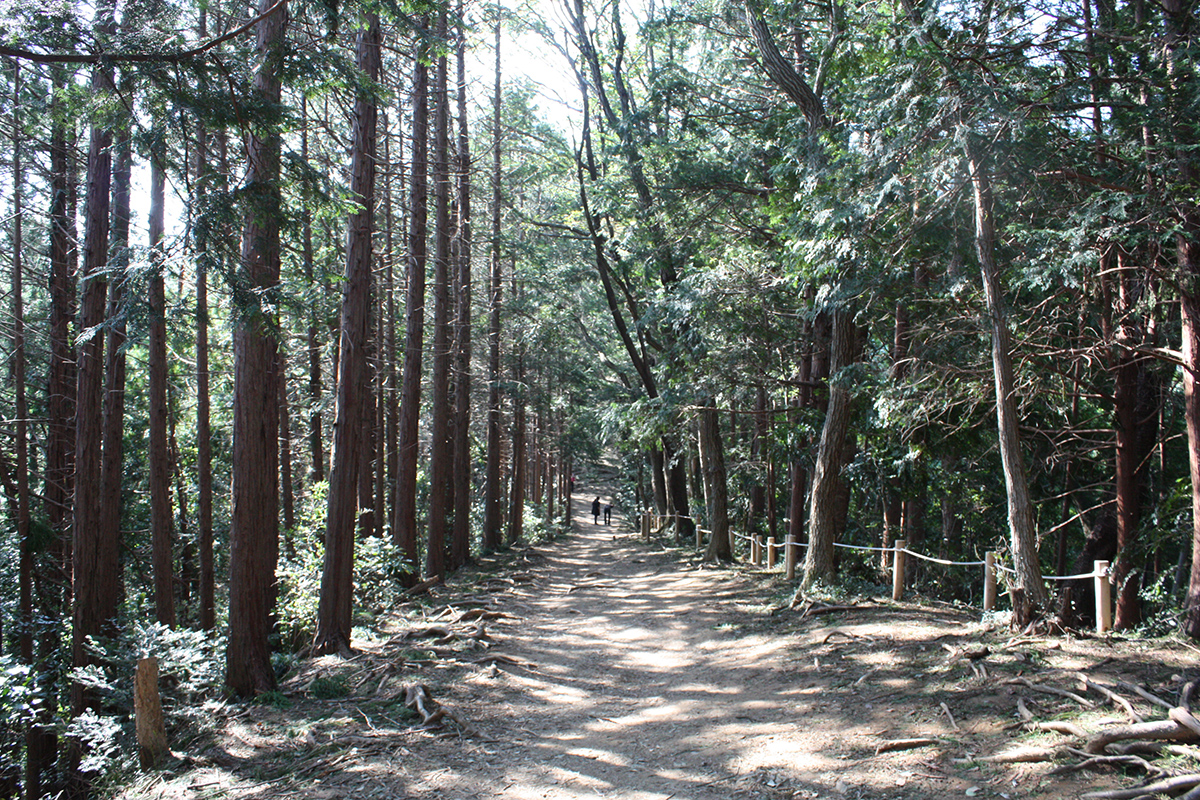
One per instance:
[(460, 540), (96, 591), (160, 454), (493, 491), (337, 579), (254, 528), (404, 529), (441, 454)]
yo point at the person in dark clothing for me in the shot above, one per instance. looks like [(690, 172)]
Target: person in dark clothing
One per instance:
[(608, 514), (596, 511)]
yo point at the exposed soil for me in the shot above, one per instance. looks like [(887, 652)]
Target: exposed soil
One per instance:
[(598, 666)]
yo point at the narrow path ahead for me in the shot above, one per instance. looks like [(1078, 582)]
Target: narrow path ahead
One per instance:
[(637, 686)]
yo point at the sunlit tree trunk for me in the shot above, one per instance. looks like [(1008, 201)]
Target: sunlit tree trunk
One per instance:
[(493, 490), (254, 529), (440, 452), (712, 456), (460, 541), (335, 612), (404, 529), (161, 529), (1030, 598)]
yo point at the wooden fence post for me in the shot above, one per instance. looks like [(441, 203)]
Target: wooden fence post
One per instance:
[(790, 556), (898, 559), (1103, 597), (646, 524), (989, 581), (772, 552), (148, 718)]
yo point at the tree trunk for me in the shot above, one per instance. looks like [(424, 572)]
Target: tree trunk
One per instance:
[(112, 459), (42, 743), (658, 481), (826, 494), (460, 543), (161, 532), (287, 488), (712, 457), (334, 614), (404, 529), (440, 452), (316, 434), (204, 473), (493, 491), (95, 586), (1030, 598), (516, 507), (254, 528)]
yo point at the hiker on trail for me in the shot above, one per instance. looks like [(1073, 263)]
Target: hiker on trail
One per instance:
[(608, 514), (596, 511)]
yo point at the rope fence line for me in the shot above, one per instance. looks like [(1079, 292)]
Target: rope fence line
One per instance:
[(767, 549)]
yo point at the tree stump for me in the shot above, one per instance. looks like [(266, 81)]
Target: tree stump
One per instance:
[(151, 731)]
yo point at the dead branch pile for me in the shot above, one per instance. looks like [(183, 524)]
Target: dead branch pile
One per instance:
[(1129, 744)]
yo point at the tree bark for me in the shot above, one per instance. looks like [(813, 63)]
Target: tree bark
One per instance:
[(335, 611), (1022, 530), (161, 532), (460, 542), (254, 529), (95, 588), (493, 490), (404, 530), (712, 456), (441, 453), (825, 496), (316, 433)]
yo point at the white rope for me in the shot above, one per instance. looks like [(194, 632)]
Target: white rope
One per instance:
[(1082, 575), (923, 557), (944, 562)]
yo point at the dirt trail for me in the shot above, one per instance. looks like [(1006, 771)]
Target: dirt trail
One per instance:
[(627, 672)]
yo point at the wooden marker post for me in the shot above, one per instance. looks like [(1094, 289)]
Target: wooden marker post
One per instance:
[(989, 581), (898, 565), (151, 732), (1103, 597), (646, 525)]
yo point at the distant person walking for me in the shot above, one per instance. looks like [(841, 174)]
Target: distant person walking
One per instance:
[(596, 511), (608, 514)]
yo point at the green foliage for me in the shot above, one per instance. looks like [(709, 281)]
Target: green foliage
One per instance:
[(191, 675), (330, 687), (19, 704)]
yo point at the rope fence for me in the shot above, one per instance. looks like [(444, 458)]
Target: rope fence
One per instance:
[(766, 551)]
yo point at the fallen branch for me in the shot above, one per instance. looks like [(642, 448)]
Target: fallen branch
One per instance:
[(904, 744), (1167, 729), (1164, 786), (1145, 695), (949, 716), (1094, 762), (1181, 716), (1112, 696), (815, 610), (423, 587), (840, 632), (1019, 755), (1037, 687)]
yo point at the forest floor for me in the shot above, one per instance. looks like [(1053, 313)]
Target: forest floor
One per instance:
[(601, 666)]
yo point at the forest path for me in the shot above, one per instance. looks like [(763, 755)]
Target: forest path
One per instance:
[(639, 684), (613, 668)]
